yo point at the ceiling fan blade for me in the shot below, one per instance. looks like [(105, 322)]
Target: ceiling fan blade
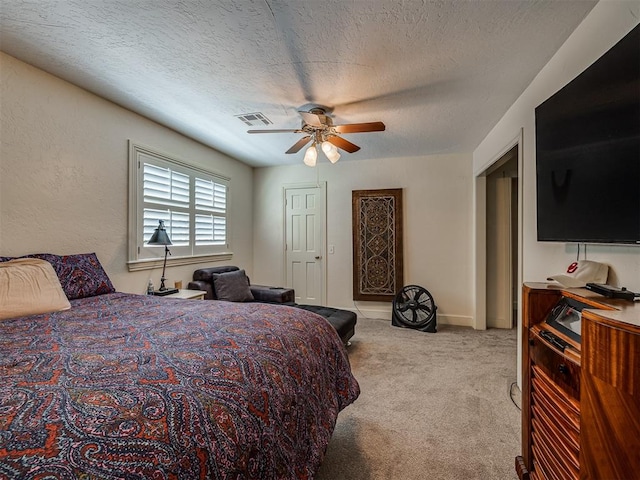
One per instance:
[(311, 119), (297, 130), (360, 127), (299, 144), (343, 144)]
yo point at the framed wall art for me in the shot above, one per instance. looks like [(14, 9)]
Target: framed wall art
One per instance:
[(377, 244)]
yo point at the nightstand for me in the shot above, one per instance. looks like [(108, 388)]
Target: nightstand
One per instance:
[(188, 294)]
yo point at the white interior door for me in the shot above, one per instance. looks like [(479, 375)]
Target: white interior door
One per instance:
[(304, 237)]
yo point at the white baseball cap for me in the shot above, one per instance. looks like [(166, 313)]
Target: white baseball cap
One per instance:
[(583, 272)]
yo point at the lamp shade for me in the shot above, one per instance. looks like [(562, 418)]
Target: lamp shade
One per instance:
[(310, 156), (160, 236), (327, 147), (330, 151), (333, 155)]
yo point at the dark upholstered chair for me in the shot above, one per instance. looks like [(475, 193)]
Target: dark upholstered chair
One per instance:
[(203, 279)]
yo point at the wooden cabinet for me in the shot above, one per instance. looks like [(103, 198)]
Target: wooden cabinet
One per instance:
[(580, 402), (610, 401)]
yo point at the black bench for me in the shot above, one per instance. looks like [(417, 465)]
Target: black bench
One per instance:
[(343, 321)]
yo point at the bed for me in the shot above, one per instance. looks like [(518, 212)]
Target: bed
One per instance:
[(135, 386)]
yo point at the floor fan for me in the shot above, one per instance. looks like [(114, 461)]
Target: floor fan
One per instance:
[(413, 307)]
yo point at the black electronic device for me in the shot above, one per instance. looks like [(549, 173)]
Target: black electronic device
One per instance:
[(613, 292), (588, 152), (554, 340), (566, 317)]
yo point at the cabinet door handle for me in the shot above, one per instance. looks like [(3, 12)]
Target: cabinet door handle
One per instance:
[(562, 368), (319, 257)]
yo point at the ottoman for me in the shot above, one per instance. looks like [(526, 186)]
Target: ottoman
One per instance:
[(343, 321)]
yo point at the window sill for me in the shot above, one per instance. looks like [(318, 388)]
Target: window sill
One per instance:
[(151, 263)]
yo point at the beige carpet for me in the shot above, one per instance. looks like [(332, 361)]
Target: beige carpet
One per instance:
[(433, 406)]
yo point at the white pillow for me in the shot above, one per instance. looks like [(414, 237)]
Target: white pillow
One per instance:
[(29, 286)]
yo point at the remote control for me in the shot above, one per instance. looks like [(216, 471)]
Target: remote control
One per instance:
[(554, 340), (612, 292)]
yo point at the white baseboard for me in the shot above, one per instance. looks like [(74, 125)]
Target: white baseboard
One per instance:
[(459, 320), (377, 312)]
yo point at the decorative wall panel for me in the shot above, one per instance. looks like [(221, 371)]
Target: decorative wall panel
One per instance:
[(377, 244)]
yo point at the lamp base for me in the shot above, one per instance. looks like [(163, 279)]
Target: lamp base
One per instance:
[(168, 291)]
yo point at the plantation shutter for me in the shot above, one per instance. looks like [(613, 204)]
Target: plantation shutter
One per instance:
[(166, 195), (210, 212)]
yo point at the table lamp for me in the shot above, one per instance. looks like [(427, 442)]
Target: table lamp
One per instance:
[(160, 237)]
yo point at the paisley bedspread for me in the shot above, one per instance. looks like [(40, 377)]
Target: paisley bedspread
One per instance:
[(132, 386)]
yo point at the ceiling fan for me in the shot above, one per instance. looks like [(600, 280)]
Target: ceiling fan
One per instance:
[(318, 128)]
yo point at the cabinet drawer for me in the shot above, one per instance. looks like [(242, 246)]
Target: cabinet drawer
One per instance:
[(561, 456), (562, 427), (560, 406), (546, 467), (563, 374), (555, 414)]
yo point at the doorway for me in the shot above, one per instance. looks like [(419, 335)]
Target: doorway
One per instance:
[(305, 225), (502, 241)]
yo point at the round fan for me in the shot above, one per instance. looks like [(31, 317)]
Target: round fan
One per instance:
[(413, 307)]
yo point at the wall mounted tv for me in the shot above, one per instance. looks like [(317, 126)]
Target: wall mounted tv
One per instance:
[(588, 152)]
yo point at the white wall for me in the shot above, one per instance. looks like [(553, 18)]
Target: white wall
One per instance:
[(607, 23), (64, 174), (437, 226)]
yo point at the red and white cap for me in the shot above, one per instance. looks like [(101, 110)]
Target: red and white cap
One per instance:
[(583, 272)]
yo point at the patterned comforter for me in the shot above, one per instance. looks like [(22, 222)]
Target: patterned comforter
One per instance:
[(133, 386)]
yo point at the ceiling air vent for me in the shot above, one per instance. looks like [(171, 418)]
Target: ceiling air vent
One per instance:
[(254, 119)]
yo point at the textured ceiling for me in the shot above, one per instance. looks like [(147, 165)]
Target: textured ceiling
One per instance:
[(439, 74)]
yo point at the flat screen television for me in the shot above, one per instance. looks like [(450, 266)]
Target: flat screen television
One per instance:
[(588, 152)]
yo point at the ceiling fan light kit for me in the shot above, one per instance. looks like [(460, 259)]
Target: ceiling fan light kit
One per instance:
[(319, 128)]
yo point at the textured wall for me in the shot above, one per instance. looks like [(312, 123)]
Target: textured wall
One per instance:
[(64, 174), (439, 73), (604, 26), (437, 226)]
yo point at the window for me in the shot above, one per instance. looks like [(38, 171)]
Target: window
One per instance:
[(192, 202)]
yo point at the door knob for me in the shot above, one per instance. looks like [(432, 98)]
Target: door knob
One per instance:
[(319, 257)]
